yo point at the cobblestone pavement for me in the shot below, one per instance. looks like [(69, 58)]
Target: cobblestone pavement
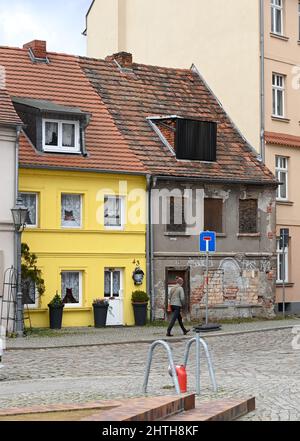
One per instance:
[(260, 364)]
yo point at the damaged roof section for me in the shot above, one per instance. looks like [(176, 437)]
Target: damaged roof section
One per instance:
[(153, 94)]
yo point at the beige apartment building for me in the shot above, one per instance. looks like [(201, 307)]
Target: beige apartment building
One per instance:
[(248, 51)]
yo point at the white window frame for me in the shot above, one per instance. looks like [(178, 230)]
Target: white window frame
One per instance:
[(73, 305), (276, 89), (299, 21), (74, 227), (286, 262), (36, 208), (60, 148), (122, 199), (277, 5), (112, 270), (279, 171)]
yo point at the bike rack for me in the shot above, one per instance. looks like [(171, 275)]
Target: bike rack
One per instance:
[(199, 341), (171, 363)]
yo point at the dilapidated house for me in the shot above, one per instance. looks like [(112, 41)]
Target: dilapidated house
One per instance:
[(199, 162)]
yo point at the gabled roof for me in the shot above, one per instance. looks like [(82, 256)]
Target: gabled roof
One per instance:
[(133, 96), (63, 83), (8, 115)]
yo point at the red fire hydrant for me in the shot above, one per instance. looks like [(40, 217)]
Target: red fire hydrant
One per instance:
[(182, 378)]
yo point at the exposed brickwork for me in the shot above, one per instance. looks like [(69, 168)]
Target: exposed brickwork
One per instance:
[(38, 47)]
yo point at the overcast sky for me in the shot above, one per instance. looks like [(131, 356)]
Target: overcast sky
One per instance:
[(60, 22)]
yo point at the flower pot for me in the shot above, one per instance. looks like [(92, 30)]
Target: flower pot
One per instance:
[(140, 313), (55, 316), (100, 314)]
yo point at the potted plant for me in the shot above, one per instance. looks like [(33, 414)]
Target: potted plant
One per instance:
[(100, 307), (56, 307), (139, 302)]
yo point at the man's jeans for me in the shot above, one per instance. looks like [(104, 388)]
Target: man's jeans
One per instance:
[(176, 316)]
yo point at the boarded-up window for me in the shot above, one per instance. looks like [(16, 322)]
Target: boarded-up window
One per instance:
[(196, 140), (176, 222), (213, 215), (248, 216)]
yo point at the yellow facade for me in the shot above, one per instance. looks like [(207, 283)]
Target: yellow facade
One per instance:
[(90, 249)]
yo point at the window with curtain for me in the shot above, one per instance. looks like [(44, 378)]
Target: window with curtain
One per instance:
[(113, 211), (112, 283), (282, 263), (30, 294), (71, 287), (30, 201), (61, 136), (71, 210)]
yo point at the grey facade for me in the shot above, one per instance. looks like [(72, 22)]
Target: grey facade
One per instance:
[(242, 273)]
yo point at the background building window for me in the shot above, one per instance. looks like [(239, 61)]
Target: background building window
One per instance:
[(177, 222), (281, 169), (248, 216), (213, 215), (282, 263), (113, 212), (71, 287), (277, 16), (30, 202), (278, 94), (71, 210)]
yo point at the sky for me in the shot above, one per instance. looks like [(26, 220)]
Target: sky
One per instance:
[(59, 22)]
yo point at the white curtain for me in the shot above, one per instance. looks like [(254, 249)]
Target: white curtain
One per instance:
[(70, 287), (51, 133), (71, 210), (68, 134), (29, 201), (112, 211)]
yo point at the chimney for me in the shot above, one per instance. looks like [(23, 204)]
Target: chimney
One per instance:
[(38, 50), (124, 59)]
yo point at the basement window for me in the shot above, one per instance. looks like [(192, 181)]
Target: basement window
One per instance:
[(248, 216), (61, 136)]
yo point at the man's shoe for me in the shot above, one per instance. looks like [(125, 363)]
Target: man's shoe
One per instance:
[(169, 335), (186, 331)]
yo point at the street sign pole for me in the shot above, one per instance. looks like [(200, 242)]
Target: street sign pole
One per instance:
[(207, 257), (207, 246), (283, 279)]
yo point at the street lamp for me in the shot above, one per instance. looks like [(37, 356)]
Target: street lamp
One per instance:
[(19, 214)]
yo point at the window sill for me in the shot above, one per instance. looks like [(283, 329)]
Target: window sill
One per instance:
[(254, 235), (30, 310), (279, 36), (282, 202), (177, 234), (280, 119), (221, 235), (287, 285)]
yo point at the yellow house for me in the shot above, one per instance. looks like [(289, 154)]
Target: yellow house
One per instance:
[(83, 186), (92, 259)]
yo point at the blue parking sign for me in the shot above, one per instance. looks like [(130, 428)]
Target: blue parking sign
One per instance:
[(207, 241)]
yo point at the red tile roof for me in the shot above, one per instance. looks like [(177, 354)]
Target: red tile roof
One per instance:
[(63, 82), (8, 115), (282, 139), (132, 96)]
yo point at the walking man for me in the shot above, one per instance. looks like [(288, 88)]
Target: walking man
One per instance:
[(176, 299)]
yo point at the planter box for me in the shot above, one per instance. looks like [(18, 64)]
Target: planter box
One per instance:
[(55, 316), (140, 313), (100, 315)]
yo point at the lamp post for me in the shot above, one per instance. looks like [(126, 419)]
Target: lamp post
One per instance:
[(19, 214)]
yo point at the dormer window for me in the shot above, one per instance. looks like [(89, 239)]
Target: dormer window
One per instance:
[(188, 139), (61, 136)]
